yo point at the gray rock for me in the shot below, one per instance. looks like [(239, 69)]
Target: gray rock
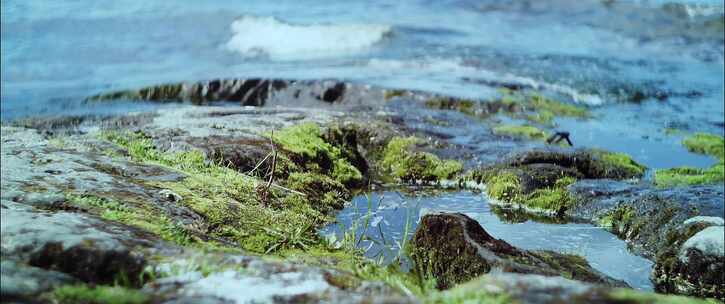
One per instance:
[(20, 281), (86, 248)]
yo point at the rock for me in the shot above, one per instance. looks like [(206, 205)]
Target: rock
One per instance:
[(714, 220), (83, 247), (537, 289), (710, 241), (453, 248), (21, 282), (170, 196), (233, 277), (696, 268), (658, 223), (255, 92)]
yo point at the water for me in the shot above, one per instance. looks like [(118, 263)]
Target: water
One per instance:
[(390, 211)]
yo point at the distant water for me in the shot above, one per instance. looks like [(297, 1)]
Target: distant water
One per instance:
[(389, 211), (599, 53), (55, 53)]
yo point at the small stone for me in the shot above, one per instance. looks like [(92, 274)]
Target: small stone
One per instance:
[(170, 196)]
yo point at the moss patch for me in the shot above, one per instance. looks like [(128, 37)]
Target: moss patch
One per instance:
[(470, 292), (623, 295), (533, 107), (315, 154), (82, 294), (145, 217), (705, 143), (522, 131), (506, 187), (400, 162), (690, 176), (612, 161), (231, 204)]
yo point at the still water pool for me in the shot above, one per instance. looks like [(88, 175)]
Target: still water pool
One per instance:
[(388, 212)]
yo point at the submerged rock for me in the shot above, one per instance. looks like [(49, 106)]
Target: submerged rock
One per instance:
[(453, 248), (22, 283)]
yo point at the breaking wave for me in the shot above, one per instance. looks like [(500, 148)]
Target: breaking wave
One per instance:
[(267, 36)]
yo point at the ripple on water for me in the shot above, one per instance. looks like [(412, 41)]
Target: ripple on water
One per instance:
[(389, 211)]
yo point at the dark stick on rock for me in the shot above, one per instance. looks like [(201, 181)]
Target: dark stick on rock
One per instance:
[(558, 137)]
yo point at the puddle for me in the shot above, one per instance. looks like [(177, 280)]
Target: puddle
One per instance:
[(390, 210)]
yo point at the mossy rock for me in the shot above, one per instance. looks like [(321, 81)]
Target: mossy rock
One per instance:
[(688, 272), (324, 193), (453, 248), (402, 163), (520, 131), (83, 294), (705, 143), (684, 176), (307, 147)]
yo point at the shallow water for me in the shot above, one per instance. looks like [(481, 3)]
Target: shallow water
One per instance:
[(390, 211)]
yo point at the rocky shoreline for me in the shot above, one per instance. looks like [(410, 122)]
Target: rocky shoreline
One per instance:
[(200, 202)]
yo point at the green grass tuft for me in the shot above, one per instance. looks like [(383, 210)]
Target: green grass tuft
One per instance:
[(705, 143), (522, 131), (82, 294)]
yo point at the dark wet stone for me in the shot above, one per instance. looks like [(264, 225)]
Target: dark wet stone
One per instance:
[(253, 92), (454, 248)]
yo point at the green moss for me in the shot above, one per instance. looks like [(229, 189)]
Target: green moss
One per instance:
[(705, 143), (625, 295), (144, 216), (506, 187), (556, 198), (612, 161), (618, 219), (470, 292), (390, 94), (543, 104), (83, 294), (464, 106), (306, 140), (690, 176), (230, 202), (403, 164), (523, 131)]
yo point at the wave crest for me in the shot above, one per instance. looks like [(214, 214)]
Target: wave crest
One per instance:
[(268, 36)]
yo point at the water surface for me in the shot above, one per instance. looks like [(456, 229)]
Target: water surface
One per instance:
[(390, 211)]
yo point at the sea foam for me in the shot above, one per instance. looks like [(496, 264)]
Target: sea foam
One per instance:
[(267, 36)]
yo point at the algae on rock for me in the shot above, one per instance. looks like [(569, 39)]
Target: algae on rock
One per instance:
[(402, 163)]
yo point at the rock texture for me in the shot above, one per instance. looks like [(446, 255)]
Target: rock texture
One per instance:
[(453, 248), (657, 223)]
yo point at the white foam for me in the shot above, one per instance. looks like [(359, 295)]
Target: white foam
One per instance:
[(267, 36)]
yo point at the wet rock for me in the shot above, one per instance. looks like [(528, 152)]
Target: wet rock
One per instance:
[(278, 282), (657, 223), (23, 283), (453, 248), (696, 268), (254, 92), (86, 248)]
